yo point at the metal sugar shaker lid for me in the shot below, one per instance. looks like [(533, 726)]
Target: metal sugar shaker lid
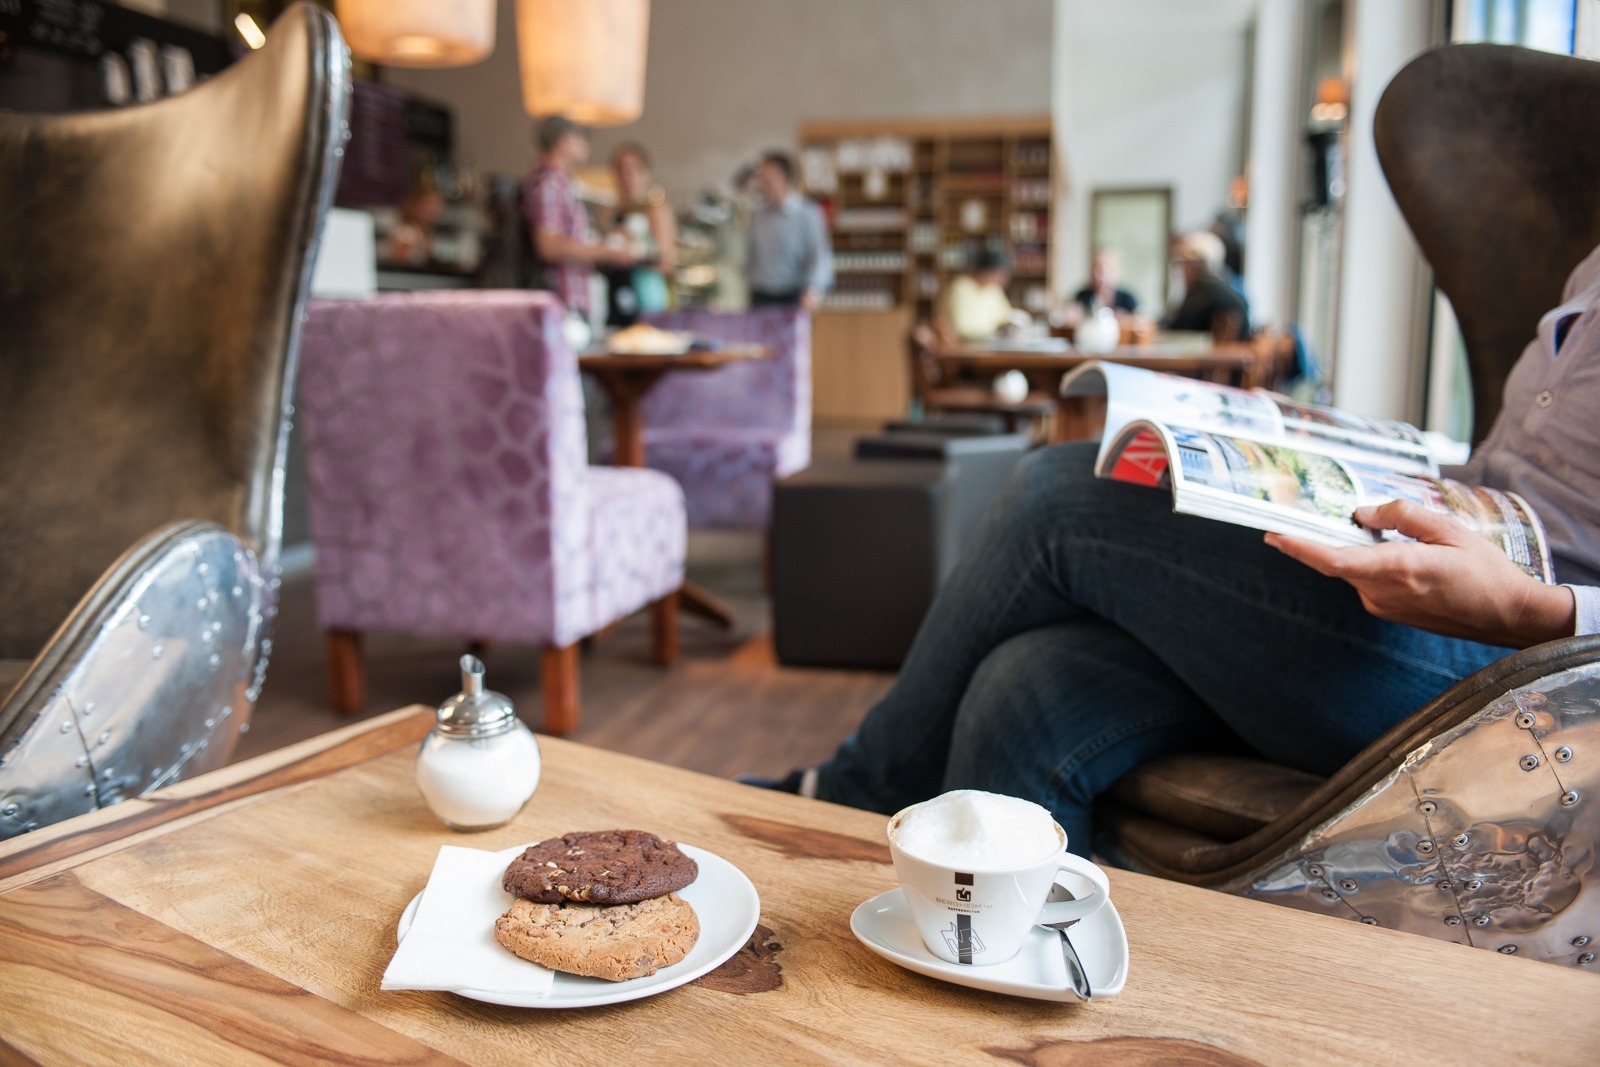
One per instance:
[(475, 711)]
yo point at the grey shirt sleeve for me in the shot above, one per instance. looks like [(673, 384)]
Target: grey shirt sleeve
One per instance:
[(819, 275), (1588, 604)]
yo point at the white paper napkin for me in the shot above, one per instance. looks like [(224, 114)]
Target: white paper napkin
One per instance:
[(451, 944)]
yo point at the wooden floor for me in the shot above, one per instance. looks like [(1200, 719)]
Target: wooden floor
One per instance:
[(726, 706)]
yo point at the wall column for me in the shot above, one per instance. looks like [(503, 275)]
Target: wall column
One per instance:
[(1277, 132), (1383, 280)]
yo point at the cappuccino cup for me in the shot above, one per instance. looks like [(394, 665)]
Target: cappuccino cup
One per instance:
[(976, 870)]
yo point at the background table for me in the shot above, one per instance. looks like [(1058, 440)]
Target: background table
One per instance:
[(1245, 365), (246, 917), (627, 379)]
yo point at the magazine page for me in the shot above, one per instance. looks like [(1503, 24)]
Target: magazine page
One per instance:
[(1134, 393), (1308, 494), (1401, 444)]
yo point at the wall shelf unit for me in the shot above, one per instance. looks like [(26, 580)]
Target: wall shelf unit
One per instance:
[(906, 200)]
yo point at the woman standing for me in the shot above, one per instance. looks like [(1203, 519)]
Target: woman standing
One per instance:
[(645, 225)]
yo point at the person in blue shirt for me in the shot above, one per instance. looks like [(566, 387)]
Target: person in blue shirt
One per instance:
[(789, 261)]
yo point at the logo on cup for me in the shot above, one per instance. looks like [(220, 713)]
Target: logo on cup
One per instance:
[(963, 894), (963, 880)]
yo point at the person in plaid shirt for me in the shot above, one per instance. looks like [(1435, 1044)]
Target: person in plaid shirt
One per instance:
[(559, 225)]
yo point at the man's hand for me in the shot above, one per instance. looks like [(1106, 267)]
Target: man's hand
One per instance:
[(811, 300), (1449, 581)]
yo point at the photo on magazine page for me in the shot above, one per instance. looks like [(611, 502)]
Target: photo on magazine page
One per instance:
[(1311, 495)]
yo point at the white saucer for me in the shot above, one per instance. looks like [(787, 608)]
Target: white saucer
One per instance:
[(884, 925), (725, 903)]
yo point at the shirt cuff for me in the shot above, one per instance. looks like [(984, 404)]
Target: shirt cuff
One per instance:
[(1587, 599)]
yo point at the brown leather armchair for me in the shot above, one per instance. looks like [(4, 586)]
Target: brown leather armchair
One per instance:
[(155, 267), (1476, 819)]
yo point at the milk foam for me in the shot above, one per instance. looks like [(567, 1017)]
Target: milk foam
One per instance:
[(971, 829)]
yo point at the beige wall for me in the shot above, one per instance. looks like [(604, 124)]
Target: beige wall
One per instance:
[(728, 78)]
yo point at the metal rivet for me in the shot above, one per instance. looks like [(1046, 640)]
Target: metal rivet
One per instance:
[(88, 790), (1329, 895), (1563, 754), (108, 773), (156, 651), (1427, 807), (1587, 957), (66, 727), (1509, 950), (1369, 920), (1461, 840), (201, 604), (1525, 720), (104, 737), (1528, 762), (1580, 940), (202, 744), (144, 622), (216, 660), (88, 707), (1475, 885), (1569, 798), (1444, 885), (225, 710), (9, 810), (238, 591), (210, 723), (1452, 920), (244, 728), (81, 761), (203, 569), (1425, 847), (1482, 920), (1314, 871), (1347, 884)]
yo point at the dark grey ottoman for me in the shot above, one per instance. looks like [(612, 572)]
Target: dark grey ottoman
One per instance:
[(859, 549)]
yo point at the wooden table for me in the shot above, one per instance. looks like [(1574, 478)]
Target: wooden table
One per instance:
[(627, 379), (1245, 365), (246, 916)]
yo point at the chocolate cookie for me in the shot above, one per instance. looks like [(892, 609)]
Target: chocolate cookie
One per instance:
[(599, 867), (611, 941)]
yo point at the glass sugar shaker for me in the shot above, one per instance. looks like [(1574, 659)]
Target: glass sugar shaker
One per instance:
[(479, 764)]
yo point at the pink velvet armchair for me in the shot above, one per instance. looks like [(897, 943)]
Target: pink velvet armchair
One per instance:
[(728, 434), (450, 493)]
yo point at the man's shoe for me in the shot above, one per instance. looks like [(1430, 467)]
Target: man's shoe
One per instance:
[(802, 782)]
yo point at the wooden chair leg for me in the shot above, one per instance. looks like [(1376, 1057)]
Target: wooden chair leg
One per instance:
[(347, 675), (558, 678), (664, 629)]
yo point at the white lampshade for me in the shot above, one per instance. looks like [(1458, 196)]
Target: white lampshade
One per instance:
[(583, 58), (419, 33)]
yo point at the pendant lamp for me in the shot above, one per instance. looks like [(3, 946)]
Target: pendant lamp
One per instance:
[(419, 33), (583, 58)]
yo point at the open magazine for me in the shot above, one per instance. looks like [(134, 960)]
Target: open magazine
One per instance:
[(1261, 460)]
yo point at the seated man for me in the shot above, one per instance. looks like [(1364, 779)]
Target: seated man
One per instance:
[(1207, 296), (1105, 271), (1089, 628), (974, 306)]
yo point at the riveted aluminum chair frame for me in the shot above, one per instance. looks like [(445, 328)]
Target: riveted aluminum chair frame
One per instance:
[(156, 669)]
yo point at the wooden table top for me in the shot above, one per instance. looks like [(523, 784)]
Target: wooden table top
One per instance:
[(1158, 356), (695, 359), (246, 917)]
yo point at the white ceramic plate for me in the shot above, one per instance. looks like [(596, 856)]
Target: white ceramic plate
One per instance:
[(723, 899), (884, 925)]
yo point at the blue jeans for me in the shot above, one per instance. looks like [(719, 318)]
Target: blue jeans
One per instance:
[(1088, 628)]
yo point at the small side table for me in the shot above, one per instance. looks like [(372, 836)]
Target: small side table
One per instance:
[(627, 379)]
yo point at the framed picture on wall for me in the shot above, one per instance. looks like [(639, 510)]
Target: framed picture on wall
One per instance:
[(1137, 224)]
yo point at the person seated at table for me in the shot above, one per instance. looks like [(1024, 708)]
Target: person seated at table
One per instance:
[(644, 224), (974, 305), (1089, 628), (1209, 302), (1105, 271)]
